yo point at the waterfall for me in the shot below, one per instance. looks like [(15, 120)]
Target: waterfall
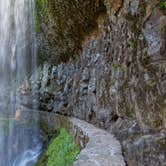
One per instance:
[(19, 138)]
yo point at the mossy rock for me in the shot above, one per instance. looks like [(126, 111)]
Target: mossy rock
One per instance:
[(65, 24)]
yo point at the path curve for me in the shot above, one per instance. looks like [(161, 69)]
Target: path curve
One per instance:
[(102, 149)]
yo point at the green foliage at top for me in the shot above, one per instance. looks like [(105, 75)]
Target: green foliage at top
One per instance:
[(41, 11), (162, 5), (43, 2), (61, 152)]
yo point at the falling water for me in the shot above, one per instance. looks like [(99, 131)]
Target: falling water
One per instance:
[(19, 138)]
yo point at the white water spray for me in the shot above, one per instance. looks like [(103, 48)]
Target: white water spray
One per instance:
[(19, 144)]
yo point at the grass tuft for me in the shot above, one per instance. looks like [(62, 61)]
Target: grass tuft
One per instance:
[(61, 152)]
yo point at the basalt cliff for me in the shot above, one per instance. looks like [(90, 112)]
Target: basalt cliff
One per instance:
[(104, 62)]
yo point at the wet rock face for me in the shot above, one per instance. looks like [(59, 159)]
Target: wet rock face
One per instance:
[(118, 82)]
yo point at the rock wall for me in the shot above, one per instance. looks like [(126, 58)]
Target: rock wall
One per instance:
[(118, 82)]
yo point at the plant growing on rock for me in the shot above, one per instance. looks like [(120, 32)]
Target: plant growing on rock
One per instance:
[(61, 152)]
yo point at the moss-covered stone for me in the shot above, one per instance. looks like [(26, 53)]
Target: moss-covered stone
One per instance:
[(64, 24)]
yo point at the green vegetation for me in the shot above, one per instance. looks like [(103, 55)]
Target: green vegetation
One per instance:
[(152, 82), (68, 23), (41, 11), (61, 152), (162, 5), (43, 3)]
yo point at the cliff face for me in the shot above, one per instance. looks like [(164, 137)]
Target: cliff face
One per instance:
[(118, 80), (65, 25)]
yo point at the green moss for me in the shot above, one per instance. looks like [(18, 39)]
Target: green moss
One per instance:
[(43, 3), (41, 13), (61, 152), (65, 25), (133, 44), (152, 82)]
